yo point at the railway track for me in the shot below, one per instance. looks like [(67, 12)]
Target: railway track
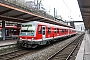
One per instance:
[(66, 52), (6, 46), (18, 53), (13, 54)]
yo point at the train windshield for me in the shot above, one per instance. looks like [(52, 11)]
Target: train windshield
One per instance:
[(29, 25), (27, 30), (27, 33)]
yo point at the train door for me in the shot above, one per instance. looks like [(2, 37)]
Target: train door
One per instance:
[(0, 32), (43, 32)]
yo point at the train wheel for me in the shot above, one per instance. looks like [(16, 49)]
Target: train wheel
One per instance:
[(48, 42), (29, 46), (35, 46), (18, 45)]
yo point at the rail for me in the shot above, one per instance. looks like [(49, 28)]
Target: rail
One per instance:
[(73, 49), (4, 47), (13, 54), (10, 45), (67, 58)]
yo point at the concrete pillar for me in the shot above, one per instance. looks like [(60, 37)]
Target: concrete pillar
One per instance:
[(3, 30)]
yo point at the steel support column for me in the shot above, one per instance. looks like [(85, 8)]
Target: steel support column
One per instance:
[(72, 24), (3, 30)]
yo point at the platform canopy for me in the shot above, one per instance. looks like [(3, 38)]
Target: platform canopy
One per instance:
[(10, 13), (85, 11)]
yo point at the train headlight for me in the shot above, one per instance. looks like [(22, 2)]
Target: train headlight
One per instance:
[(32, 38), (20, 38)]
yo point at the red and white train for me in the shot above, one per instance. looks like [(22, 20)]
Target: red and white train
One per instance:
[(36, 33)]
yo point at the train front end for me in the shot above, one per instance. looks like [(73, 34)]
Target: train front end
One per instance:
[(27, 35)]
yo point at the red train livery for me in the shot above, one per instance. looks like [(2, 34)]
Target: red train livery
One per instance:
[(36, 33), (10, 31)]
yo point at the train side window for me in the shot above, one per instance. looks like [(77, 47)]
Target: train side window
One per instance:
[(73, 30), (54, 30), (60, 30), (49, 30), (66, 30), (57, 30), (39, 29), (63, 30)]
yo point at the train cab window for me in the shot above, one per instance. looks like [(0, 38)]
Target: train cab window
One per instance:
[(39, 29), (54, 30), (49, 30)]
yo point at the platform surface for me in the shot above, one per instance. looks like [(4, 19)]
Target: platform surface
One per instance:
[(84, 51), (7, 42)]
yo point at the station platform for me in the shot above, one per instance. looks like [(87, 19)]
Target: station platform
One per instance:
[(84, 51), (7, 42)]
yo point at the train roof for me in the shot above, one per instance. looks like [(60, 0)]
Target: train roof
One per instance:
[(43, 23)]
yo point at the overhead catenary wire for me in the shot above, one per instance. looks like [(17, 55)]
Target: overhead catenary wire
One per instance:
[(67, 7)]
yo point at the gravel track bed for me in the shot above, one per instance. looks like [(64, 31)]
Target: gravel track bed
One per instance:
[(48, 51)]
